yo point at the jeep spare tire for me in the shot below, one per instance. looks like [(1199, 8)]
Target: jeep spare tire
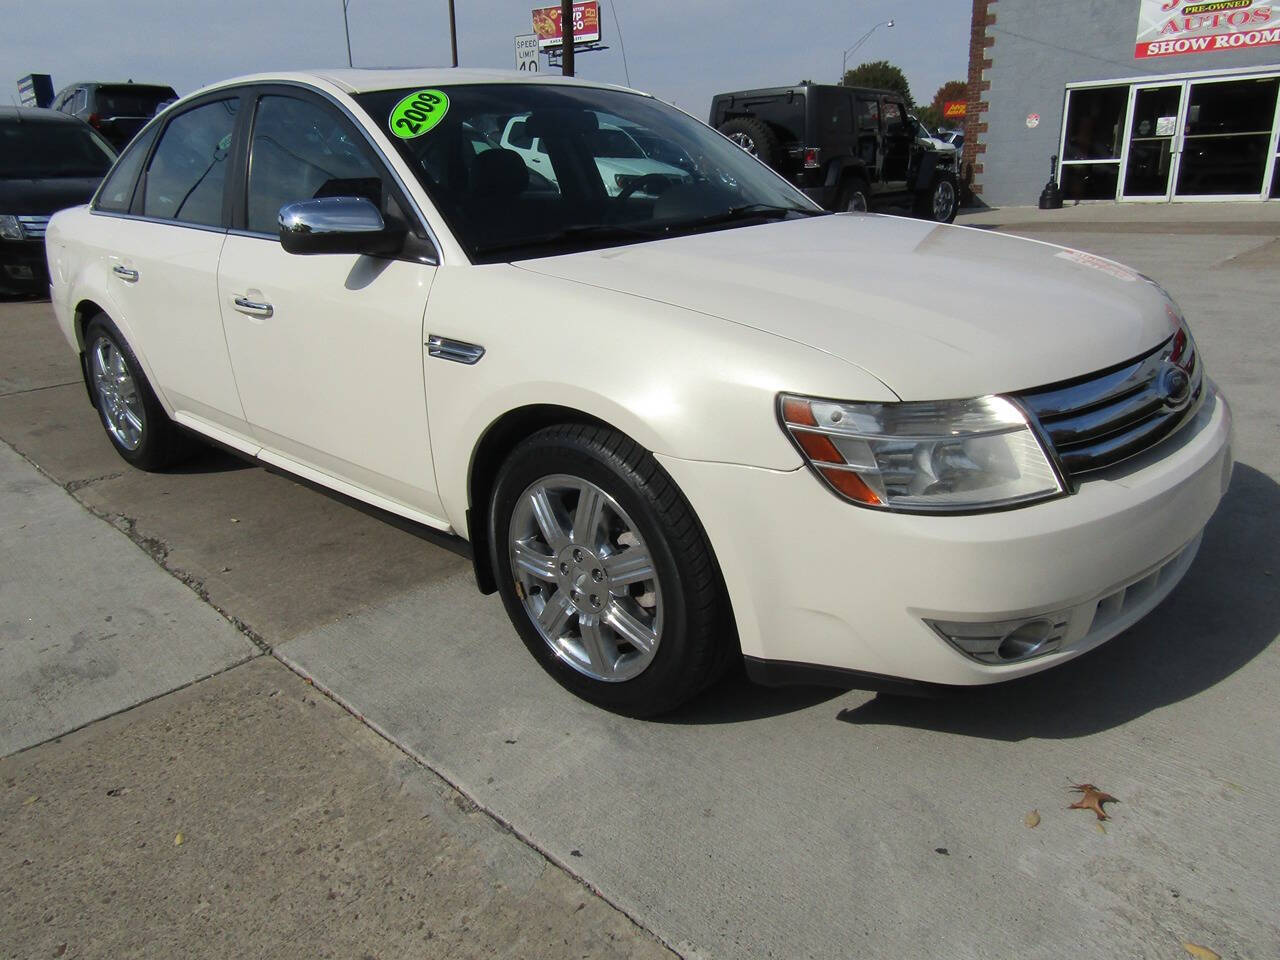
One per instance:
[(755, 137)]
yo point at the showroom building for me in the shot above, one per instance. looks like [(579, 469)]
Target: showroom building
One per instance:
[(1141, 100)]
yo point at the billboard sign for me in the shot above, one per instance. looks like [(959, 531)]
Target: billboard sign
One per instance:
[(1169, 28), (955, 109), (586, 24), (36, 90)]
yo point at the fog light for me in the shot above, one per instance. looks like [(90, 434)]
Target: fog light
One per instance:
[(1006, 641)]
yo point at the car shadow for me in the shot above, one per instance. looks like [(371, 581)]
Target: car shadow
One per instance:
[(1222, 616)]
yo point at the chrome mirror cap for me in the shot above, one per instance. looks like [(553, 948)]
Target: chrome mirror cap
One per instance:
[(336, 225)]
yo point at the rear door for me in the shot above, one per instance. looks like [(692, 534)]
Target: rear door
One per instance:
[(327, 349), (164, 263)]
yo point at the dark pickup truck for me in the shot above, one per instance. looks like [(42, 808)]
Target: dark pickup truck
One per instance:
[(848, 148)]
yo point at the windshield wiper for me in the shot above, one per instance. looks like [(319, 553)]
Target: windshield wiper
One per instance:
[(747, 211)]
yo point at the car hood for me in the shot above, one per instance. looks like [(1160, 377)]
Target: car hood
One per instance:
[(46, 196), (932, 311)]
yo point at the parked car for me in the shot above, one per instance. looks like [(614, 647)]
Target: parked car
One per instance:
[(928, 137), (116, 110), (679, 430), (619, 158), (47, 162), (953, 137), (848, 148)]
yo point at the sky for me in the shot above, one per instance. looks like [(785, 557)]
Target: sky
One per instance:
[(684, 52)]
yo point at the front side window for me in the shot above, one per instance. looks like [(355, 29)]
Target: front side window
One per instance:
[(301, 151), (116, 194), (587, 182), (188, 171)]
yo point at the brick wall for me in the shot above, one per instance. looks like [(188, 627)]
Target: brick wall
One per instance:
[(975, 122)]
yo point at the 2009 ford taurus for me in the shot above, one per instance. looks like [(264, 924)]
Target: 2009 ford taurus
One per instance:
[(681, 417)]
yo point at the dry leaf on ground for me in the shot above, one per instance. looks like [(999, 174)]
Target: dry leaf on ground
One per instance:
[(177, 841), (1032, 819), (1091, 799), (1199, 952)]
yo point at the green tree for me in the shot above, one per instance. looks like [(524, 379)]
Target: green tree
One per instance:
[(930, 116), (881, 75)]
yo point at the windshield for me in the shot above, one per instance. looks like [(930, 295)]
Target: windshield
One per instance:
[(43, 149), (528, 170)]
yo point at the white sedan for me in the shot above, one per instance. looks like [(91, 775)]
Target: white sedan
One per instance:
[(680, 423)]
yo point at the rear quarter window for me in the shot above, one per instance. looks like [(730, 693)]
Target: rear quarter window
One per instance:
[(116, 195)]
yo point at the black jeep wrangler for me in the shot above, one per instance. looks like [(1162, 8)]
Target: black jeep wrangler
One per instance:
[(846, 147)]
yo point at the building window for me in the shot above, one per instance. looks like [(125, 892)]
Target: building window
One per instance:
[(1092, 139)]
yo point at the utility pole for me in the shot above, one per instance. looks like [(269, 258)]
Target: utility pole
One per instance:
[(453, 34), (566, 37)]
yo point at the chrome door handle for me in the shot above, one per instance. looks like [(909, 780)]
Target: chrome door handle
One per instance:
[(124, 273), (253, 308)]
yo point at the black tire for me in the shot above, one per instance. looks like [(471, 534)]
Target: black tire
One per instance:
[(161, 443), (854, 196), (932, 204), (696, 641), (755, 137)]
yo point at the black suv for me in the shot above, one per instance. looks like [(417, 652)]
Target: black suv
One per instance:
[(848, 148), (115, 110)]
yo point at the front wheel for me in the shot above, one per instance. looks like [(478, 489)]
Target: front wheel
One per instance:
[(941, 201), (605, 571)]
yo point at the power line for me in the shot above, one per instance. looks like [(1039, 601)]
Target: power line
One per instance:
[(613, 8)]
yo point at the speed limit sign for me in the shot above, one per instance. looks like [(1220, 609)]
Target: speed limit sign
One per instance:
[(527, 53)]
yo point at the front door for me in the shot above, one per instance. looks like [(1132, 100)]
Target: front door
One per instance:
[(1227, 139), (327, 349), (1153, 141)]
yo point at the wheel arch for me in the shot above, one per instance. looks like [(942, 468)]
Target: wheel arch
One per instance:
[(497, 441)]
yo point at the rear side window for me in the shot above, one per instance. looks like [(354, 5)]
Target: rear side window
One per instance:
[(117, 191), (868, 114), (302, 151), (131, 101), (189, 168)]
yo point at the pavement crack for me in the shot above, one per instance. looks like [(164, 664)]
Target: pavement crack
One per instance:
[(74, 485)]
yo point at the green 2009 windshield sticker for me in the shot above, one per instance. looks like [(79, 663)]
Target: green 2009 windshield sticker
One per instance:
[(418, 113)]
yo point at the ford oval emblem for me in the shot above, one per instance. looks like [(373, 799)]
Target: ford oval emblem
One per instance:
[(1174, 385)]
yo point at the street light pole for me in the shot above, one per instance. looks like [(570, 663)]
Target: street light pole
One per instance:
[(844, 63), (346, 29)]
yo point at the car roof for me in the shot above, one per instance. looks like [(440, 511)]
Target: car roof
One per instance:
[(799, 88), (359, 80), (36, 115)]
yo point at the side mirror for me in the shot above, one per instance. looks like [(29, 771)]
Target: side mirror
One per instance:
[(337, 225)]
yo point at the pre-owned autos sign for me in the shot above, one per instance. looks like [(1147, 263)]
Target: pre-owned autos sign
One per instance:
[(1171, 27)]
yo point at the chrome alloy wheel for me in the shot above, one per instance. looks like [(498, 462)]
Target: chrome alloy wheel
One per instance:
[(944, 200), (118, 396), (745, 142), (586, 579)]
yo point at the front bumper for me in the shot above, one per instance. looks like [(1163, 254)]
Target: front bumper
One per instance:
[(816, 581), (23, 265)]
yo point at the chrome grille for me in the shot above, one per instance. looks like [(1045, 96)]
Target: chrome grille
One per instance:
[(33, 227), (1098, 421)]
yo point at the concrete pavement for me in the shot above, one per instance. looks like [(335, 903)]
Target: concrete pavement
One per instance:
[(809, 823)]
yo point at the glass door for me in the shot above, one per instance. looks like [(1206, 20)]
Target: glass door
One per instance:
[(1152, 147), (1227, 139)]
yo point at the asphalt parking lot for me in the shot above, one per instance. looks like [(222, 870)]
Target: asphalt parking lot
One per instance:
[(755, 823)]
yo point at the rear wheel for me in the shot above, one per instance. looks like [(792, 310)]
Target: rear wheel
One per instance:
[(605, 571), (133, 417)]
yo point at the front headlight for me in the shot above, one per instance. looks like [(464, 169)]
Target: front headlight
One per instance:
[(10, 228), (946, 456)]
